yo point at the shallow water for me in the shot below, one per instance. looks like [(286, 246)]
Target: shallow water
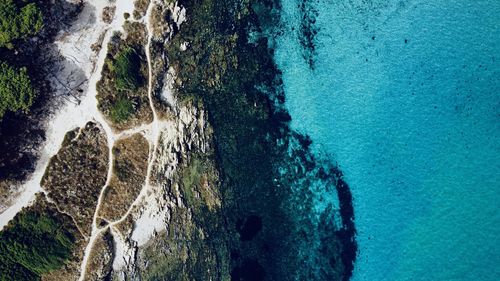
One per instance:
[(405, 96)]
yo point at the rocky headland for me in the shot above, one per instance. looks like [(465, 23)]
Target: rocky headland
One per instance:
[(173, 159)]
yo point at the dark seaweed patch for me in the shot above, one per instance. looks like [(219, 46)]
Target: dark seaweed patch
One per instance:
[(308, 31), (266, 169), (348, 231), (249, 228), (250, 270)]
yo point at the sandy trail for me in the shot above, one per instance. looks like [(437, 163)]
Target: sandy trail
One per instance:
[(76, 47), (151, 130)]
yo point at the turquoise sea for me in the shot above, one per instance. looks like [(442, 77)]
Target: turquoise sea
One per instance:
[(405, 97)]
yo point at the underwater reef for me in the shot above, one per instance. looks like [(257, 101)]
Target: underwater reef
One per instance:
[(271, 183)]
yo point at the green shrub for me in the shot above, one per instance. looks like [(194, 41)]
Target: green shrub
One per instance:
[(30, 20), (127, 70), (16, 92), (18, 23), (12, 271), (34, 244), (121, 110)]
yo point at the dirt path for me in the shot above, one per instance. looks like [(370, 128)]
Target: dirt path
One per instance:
[(152, 132), (82, 35)]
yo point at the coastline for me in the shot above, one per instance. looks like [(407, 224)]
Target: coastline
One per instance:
[(229, 187), (263, 175)]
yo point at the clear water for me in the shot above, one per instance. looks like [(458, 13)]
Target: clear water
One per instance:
[(415, 127)]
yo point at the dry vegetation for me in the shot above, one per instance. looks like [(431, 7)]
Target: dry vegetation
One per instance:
[(129, 174), (125, 227), (108, 13), (141, 6), (76, 174), (101, 258)]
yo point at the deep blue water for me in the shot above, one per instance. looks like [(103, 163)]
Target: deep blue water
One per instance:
[(405, 96)]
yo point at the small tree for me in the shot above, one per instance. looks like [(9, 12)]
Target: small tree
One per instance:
[(30, 20), (8, 22), (18, 23), (16, 92)]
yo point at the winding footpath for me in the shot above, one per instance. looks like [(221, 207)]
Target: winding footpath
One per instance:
[(152, 132), (73, 115)]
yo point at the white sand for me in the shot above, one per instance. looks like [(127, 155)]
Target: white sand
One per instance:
[(122, 6), (75, 47)]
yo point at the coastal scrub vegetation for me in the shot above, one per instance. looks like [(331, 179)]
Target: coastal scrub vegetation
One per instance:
[(34, 243), (122, 91), (16, 92), (18, 21), (126, 68)]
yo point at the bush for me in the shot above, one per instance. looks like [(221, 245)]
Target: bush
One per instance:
[(121, 110), (30, 20), (16, 92), (34, 244), (127, 69), (18, 23)]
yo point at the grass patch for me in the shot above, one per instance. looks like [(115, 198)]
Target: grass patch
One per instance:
[(126, 69), (198, 182), (191, 178), (122, 92)]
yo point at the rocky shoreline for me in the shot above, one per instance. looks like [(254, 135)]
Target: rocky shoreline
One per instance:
[(189, 171)]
